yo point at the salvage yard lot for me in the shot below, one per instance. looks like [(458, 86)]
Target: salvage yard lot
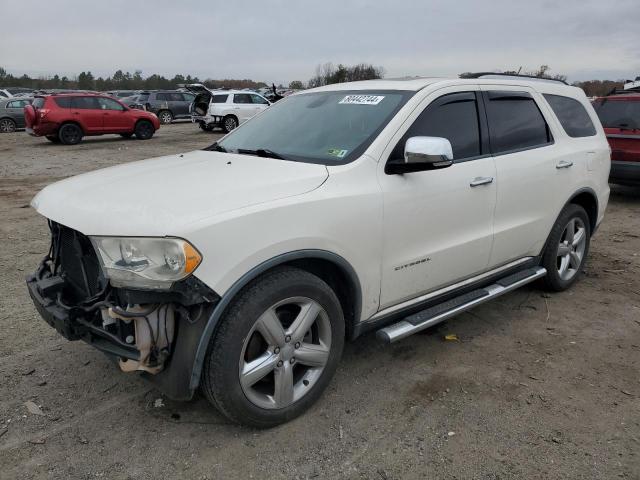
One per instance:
[(538, 386)]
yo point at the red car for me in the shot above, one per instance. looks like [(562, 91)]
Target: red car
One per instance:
[(619, 113), (66, 118)]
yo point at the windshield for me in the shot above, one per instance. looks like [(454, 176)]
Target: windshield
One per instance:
[(324, 127), (618, 113)]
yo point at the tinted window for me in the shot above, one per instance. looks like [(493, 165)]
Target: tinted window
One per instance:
[(258, 99), (242, 98), (573, 117), (454, 117), (618, 113), (163, 96), (515, 122), (143, 97), (219, 99), (85, 103), (108, 104), (38, 102), (63, 102)]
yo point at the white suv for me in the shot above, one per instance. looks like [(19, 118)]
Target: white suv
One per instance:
[(224, 108), (385, 205)]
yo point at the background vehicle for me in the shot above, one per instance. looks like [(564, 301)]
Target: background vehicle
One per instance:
[(168, 105), (12, 113), (118, 94), (66, 118), (619, 113), (16, 92), (386, 205), (224, 108)]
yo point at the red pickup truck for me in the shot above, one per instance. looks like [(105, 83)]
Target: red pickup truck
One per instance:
[(619, 113)]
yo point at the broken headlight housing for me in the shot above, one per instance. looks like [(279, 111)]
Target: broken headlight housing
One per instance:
[(146, 263)]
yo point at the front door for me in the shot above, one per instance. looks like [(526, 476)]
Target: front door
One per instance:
[(438, 224), (243, 106), (115, 116)]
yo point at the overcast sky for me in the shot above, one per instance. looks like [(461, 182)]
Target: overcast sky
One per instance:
[(280, 41)]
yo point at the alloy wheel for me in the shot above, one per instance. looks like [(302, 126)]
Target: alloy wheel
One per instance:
[(285, 353), (230, 123), (571, 249), (7, 126), (166, 117)]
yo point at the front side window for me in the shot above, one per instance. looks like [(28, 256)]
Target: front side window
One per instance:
[(515, 122), (454, 117), (109, 104), (573, 117), (258, 100), (219, 98), (331, 128), (618, 113)]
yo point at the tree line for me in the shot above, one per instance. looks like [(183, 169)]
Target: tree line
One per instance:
[(325, 74)]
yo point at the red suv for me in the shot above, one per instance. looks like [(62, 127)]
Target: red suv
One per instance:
[(619, 113), (66, 118)]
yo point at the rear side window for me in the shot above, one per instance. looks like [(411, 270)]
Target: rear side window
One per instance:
[(515, 122), (219, 99), (63, 102), (38, 102), (573, 117), (85, 103), (242, 98), (454, 117), (618, 113)]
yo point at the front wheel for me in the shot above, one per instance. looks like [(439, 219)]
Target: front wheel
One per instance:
[(144, 130), (567, 248), (276, 349)]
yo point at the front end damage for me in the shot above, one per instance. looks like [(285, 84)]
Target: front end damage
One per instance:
[(153, 332)]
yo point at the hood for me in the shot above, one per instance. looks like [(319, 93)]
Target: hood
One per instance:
[(160, 196)]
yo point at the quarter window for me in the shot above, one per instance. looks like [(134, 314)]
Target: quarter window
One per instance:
[(219, 99), (573, 117), (515, 122), (454, 117)]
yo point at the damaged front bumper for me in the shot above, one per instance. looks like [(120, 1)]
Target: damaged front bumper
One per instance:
[(154, 333)]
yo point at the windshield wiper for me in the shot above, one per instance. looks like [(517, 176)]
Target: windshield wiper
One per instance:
[(262, 152), (214, 147)]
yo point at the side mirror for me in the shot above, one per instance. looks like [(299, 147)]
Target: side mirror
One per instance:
[(422, 153)]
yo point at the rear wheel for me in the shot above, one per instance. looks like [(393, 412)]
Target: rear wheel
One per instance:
[(229, 123), (165, 117), (276, 349), (70, 134), (144, 130), (7, 125), (567, 248)]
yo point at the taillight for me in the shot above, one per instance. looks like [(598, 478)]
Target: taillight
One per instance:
[(43, 113)]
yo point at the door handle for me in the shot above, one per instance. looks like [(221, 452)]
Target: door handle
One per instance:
[(481, 181), (564, 164)]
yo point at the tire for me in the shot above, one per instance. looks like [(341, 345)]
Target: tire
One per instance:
[(165, 117), (7, 125), (53, 138), (205, 127), (144, 130), (70, 134), (230, 122), (283, 295), (126, 135), (567, 248)]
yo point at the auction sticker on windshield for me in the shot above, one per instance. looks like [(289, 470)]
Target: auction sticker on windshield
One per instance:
[(362, 99), (336, 152)]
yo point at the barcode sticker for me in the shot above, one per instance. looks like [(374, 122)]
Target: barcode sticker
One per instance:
[(362, 99)]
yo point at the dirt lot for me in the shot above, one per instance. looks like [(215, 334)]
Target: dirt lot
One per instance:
[(539, 386)]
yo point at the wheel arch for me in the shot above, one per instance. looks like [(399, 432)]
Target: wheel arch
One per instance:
[(71, 122), (330, 267)]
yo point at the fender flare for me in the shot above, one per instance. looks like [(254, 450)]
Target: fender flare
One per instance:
[(230, 294)]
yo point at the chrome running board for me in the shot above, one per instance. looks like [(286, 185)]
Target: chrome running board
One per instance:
[(443, 311)]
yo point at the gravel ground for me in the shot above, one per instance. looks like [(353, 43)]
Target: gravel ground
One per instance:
[(538, 386)]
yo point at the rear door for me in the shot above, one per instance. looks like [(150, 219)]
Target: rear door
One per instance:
[(260, 103), (15, 109), (522, 146), (88, 113), (115, 117)]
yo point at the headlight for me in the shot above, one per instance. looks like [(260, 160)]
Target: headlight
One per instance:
[(153, 263)]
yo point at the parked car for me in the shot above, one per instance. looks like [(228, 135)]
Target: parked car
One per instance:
[(386, 205), (137, 101), (66, 118), (12, 113), (224, 108), (168, 105), (118, 94), (10, 92), (620, 117)]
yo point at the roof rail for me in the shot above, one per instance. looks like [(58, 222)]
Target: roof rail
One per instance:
[(510, 75)]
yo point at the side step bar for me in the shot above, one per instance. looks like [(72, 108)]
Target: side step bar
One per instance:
[(443, 311)]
